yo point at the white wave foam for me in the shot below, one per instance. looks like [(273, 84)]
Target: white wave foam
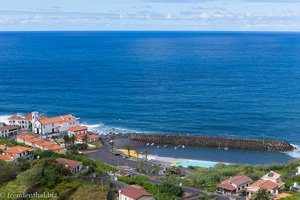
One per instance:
[(296, 152), (103, 129)]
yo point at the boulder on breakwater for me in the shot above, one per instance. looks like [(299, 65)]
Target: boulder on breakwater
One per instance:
[(214, 141)]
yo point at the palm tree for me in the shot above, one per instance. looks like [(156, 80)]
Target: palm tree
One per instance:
[(85, 138), (155, 169), (137, 155), (129, 148), (262, 194), (146, 153), (141, 166)]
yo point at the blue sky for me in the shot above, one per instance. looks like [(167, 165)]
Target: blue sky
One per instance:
[(229, 15)]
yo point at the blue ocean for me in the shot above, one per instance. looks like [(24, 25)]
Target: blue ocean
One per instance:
[(235, 84)]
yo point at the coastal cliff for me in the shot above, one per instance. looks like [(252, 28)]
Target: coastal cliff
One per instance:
[(213, 141)]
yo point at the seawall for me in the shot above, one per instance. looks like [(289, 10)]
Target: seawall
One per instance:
[(214, 141)]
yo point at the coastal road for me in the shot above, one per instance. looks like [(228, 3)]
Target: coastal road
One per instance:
[(104, 155)]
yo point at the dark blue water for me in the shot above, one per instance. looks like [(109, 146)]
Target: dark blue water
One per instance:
[(219, 155), (210, 83)]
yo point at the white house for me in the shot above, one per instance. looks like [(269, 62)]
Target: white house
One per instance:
[(6, 131), (73, 165), (234, 185), (270, 182), (55, 124), (18, 152), (24, 122), (272, 176), (134, 193), (77, 130)]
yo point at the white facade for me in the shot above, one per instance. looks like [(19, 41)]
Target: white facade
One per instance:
[(54, 125), (24, 122), (298, 171), (6, 131)]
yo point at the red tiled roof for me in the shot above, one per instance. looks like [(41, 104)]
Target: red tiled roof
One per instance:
[(227, 186), (93, 136), (51, 120), (15, 117), (78, 128), (263, 184), (80, 136), (72, 164), (237, 180), (28, 116), (8, 128), (70, 121), (25, 136), (55, 119), (134, 193), (2, 147), (6, 157), (68, 116), (17, 150), (55, 147)]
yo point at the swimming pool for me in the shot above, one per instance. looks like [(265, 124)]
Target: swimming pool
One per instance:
[(196, 163)]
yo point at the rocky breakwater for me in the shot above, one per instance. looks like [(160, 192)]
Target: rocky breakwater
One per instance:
[(214, 141)]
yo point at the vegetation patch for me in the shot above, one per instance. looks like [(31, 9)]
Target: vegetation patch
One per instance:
[(89, 191)]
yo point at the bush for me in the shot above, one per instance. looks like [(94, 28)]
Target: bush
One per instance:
[(31, 177), (24, 164), (8, 170), (171, 189)]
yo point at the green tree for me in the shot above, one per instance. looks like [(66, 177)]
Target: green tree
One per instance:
[(137, 155), (72, 139), (85, 138), (67, 139), (155, 169), (169, 188), (8, 170), (141, 167), (24, 164), (32, 176), (262, 194), (174, 170)]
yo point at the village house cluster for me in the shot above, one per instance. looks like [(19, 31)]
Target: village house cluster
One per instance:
[(13, 153), (241, 184), (36, 131), (38, 143)]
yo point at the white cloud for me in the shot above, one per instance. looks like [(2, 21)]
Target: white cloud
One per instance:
[(169, 16), (204, 16)]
